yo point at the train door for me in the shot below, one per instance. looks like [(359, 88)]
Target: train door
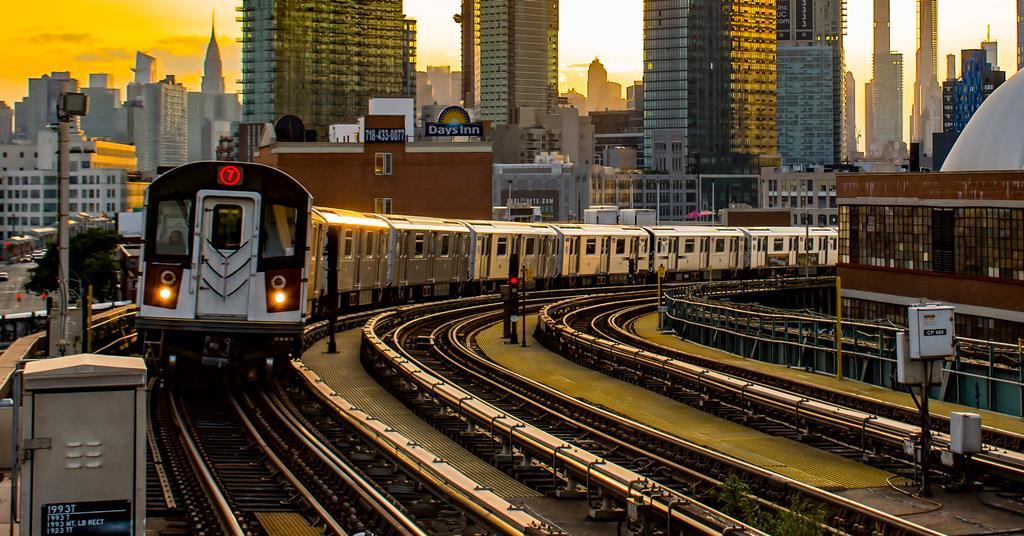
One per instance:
[(369, 268), (227, 254)]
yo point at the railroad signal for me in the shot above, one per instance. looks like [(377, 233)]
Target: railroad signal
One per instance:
[(514, 281)]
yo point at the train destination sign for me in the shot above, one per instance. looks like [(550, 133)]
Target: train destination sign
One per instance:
[(92, 518), (454, 121)]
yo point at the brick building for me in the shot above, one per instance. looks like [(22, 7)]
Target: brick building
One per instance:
[(451, 180), (951, 237)]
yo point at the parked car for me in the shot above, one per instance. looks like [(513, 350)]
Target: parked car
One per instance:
[(4, 276)]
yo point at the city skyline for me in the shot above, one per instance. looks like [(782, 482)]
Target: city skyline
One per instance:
[(177, 31)]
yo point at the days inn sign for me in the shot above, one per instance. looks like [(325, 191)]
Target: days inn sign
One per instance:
[(454, 121)]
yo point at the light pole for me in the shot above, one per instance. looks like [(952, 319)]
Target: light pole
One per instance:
[(69, 106)]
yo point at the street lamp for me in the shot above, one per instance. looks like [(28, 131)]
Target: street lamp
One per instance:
[(69, 106)]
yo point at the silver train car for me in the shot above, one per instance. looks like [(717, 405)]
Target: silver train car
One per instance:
[(237, 260)]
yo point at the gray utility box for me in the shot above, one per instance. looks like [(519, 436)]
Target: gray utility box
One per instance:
[(82, 445), (964, 433)]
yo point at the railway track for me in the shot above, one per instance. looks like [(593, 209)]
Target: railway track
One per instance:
[(598, 332), (508, 406)]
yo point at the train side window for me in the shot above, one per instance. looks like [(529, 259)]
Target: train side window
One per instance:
[(418, 245), (591, 246), (278, 233), (226, 227), (445, 245), (368, 240), (349, 239), (620, 246), (502, 249), (529, 246), (688, 246), (779, 244), (719, 245), (172, 227)]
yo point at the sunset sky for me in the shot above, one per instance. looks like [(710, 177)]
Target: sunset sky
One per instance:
[(103, 35)]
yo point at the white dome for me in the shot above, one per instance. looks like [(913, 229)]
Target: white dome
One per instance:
[(994, 137)]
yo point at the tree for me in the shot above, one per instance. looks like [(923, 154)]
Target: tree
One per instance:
[(92, 262)]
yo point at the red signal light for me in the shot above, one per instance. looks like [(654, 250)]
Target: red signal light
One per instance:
[(513, 281), (229, 176)]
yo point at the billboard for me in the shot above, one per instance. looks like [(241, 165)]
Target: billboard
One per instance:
[(783, 20), (454, 121), (547, 200), (805, 19)]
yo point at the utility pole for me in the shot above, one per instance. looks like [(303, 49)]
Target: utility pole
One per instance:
[(69, 106)]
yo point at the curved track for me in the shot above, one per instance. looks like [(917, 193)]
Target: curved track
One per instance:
[(509, 406)]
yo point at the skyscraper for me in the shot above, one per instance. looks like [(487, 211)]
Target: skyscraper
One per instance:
[(469, 20), (160, 126), (602, 94), (850, 116), (211, 111), (6, 122), (39, 109), (518, 57), (321, 63), (213, 70), (926, 116), (886, 135), (710, 85), (810, 81), (106, 117)]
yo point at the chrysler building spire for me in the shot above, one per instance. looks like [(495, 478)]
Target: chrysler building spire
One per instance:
[(213, 72)]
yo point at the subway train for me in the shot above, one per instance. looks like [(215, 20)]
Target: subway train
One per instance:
[(237, 260)]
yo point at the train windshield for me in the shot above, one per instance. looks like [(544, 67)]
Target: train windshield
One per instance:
[(279, 224), (172, 231)]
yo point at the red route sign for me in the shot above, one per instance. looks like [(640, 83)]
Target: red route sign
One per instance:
[(229, 176)]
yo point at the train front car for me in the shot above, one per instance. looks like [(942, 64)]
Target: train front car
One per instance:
[(225, 265)]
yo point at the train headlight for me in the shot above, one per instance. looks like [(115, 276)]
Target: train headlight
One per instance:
[(165, 293), (279, 297)]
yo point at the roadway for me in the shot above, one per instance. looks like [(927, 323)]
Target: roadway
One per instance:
[(18, 275)]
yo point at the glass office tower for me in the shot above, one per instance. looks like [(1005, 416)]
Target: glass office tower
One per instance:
[(709, 85), (322, 62)]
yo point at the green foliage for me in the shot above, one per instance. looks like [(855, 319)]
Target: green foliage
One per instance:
[(803, 518), (736, 500), (92, 259)]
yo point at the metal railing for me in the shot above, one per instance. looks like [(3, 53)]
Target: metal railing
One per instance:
[(982, 374)]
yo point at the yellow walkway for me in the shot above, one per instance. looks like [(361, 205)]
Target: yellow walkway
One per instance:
[(647, 327), (782, 456), (344, 373)]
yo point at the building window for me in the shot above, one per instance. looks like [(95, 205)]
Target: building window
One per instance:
[(382, 163), (382, 205)]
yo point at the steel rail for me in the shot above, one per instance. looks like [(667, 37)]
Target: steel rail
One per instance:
[(366, 489), (482, 504), (583, 464), (283, 469), (1007, 463), (220, 502)]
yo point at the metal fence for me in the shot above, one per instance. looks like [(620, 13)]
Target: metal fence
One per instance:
[(982, 374)]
